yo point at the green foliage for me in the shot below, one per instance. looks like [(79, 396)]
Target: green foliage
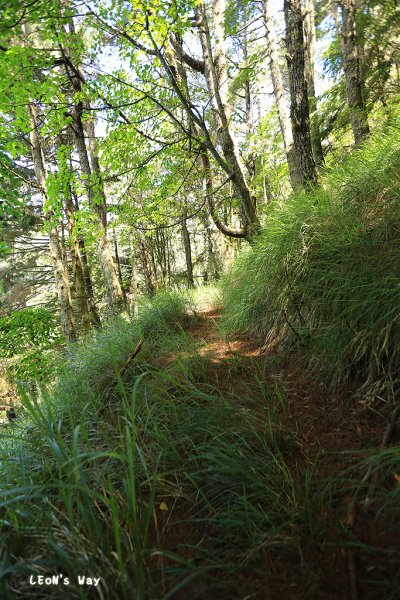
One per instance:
[(325, 272), (29, 335), (266, 146), (5, 250), (58, 184), (24, 329), (375, 25), (8, 182)]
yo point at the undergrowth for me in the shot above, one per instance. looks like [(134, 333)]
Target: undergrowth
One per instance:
[(147, 476), (142, 473), (324, 274)]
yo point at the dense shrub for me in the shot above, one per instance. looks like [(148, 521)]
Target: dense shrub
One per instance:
[(29, 335)]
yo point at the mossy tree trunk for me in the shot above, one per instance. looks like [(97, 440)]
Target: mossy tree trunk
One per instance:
[(310, 41), (279, 94), (353, 72), (299, 106), (188, 249)]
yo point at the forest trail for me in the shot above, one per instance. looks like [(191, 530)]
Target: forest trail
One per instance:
[(251, 490), (325, 430), (167, 176), (233, 364), (324, 422)]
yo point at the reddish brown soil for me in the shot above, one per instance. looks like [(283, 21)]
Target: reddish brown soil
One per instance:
[(324, 421)]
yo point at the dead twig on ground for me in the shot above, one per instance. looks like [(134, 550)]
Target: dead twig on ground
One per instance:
[(132, 356)]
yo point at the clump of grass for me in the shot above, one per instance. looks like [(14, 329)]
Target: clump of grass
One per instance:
[(367, 495), (325, 272), (90, 366), (165, 312)]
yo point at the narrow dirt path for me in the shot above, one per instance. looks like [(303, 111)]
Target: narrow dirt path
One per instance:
[(324, 421), (326, 427), (234, 365)]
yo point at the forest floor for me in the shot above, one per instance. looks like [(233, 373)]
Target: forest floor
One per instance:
[(324, 422), (329, 430), (264, 479)]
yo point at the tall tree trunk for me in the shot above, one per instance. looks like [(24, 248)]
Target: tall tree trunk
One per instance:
[(98, 184), (87, 279), (279, 94), (150, 246), (161, 255), (211, 270), (219, 63), (63, 246), (94, 315), (247, 90), (188, 250), (80, 290), (310, 40), (216, 75), (92, 178), (299, 108), (118, 263), (77, 269), (352, 72), (170, 258), (333, 9), (95, 192), (148, 270), (133, 287), (60, 272), (251, 160)]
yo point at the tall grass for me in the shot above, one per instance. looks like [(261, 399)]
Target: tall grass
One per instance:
[(325, 272), (368, 493), (147, 477)]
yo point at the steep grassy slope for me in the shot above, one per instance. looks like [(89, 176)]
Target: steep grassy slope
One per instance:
[(184, 472), (325, 273)]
